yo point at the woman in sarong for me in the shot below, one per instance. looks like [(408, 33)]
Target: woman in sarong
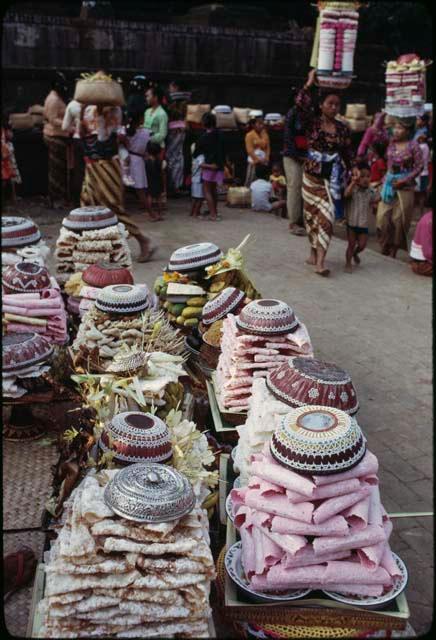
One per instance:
[(56, 140), (178, 100), (421, 250), (395, 209), (329, 156), (103, 184)]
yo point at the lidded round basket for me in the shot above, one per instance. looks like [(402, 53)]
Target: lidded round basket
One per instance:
[(19, 232), (123, 298), (88, 218), (318, 440), (194, 256), (137, 437), (225, 302), (267, 317), (26, 277), (105, 274), (150, 492), (302, 381), (22, 350)]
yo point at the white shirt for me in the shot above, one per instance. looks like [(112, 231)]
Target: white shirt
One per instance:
[(71, 121), (261, 191)]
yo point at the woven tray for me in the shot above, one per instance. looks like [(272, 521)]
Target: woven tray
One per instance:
[(27, 480)]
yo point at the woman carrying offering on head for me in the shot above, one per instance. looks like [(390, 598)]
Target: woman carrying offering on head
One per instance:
[(258, 148), (329, 156), (395, 209)]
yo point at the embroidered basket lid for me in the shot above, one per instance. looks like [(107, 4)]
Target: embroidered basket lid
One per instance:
[(225, 302), (318, 440), (137, 437), (25, 277), (104, 274), (267, 317), (19, 232), (22, 350), (87, 218), (194, 256), (301, 381), (150, 492), (123, 298)]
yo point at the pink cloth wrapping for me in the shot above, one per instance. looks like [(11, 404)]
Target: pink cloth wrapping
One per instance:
[(327, 491), (333, 506), (265, 488), (238, 497), (335, 572), (423, 237), (46, 306), (12, 297), (336, 526), (306, 557), (375, 514), (279, 505), (248, 557), (373, 534), (286, 542), (357, 515), (242, 516), (91, 293), (388, 563), (33, 312), (366, 467), (371, 590), (266, 552), (371, 556), (31, 303), (273, 472), (16, 327)]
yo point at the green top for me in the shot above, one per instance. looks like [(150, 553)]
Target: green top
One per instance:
[(157, 121)]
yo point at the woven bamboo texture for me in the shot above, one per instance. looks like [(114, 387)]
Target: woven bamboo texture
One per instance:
[(27, 480), (17, 607)]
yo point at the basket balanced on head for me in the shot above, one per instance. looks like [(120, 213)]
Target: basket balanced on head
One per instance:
[(99, 89)]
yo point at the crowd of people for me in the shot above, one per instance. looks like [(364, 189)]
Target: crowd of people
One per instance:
[(320, 179)]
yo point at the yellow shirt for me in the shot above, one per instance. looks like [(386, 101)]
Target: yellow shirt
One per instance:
[(254, 142), (280, 179)]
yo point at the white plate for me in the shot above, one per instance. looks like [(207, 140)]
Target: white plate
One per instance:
[(235, 571), (237, 483), (371, 601), (229, 507)]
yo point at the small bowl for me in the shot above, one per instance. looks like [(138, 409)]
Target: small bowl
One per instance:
[(19, 232), (301, 381), (194, 256), (25, 277), (137, 437), (318, 440), (22, 350), (267, 317), (123, 298), (224, 303), (87, 218), (105, 274), (150, 492)]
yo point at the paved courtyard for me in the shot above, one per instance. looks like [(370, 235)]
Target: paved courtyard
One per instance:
[(376, 323)]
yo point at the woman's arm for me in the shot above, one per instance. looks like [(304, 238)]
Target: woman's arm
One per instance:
[(418, 165), (304, 101), (249, 147)]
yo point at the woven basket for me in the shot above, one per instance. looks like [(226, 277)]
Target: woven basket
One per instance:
[(37, 119), (21, 121), (241, 114), (356, 111), (99, 92), (36, 109), (359, 124), (226, 121), (239, 197), (195, 112)]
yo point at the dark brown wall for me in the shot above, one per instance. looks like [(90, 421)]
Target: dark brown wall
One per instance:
[(238, 67)]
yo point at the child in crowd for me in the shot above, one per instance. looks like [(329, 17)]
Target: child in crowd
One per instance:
[(197, 194), (422, 181), (153, 168), (278, 181), (378, 167), (262, 191), (359, 198)]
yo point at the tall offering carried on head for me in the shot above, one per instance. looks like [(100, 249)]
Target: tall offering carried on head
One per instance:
[(405, 86), (335, 42)]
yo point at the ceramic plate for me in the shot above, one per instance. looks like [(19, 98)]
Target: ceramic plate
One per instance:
[(235, 571), (237, 482), (376, 602), (229, 508)]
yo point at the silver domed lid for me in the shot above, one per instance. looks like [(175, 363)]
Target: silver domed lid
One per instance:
[(150, 492)]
